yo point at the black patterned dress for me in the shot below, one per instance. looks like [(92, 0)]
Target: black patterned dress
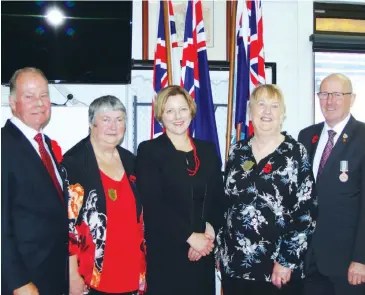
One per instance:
[(271, 211)]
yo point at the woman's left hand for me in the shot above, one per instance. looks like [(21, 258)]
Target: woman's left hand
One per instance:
[(280, 275), (209, 230), (194, 255)]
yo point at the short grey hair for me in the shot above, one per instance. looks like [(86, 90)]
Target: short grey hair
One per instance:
[(105, 103), (14, 77)]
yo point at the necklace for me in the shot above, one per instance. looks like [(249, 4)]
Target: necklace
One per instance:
[(192, 172)]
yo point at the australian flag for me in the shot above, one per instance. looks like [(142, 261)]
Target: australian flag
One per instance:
[(160, 79), (195, 76), (250, 63)]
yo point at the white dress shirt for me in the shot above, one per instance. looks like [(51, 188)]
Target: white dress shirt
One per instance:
[(323, 138), (30, 133)]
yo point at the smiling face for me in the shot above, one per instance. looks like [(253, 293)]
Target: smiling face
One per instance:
[(267, 109), (176, 116), (334, 109), (266, 115), (30, 101), (108, 128)]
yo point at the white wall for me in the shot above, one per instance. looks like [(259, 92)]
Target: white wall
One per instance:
[(287, 27), (69, 124)]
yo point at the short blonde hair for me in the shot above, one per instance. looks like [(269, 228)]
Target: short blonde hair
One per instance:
[(270, 91), (164, 95)]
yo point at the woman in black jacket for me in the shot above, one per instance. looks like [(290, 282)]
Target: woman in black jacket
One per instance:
[(105, 220), (180, 183)]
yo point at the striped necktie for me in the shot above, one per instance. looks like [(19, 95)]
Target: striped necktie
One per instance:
[(327, 151)]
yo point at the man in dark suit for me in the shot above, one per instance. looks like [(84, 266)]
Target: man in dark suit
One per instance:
[(34, 225), (336, 257)]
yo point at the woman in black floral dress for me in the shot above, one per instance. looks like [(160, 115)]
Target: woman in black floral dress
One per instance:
[(271, 205)]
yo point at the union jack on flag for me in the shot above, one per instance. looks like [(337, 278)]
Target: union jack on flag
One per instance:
[(160, 79), (250, 62), (195, 76)]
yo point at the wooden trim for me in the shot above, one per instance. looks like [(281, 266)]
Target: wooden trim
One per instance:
[(228, 26), (166, 25), (145, 30), (232, 53)]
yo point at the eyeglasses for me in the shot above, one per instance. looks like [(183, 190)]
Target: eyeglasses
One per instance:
[(335, 95)]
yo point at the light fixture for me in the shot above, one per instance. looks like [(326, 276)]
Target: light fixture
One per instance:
[(55, 17)]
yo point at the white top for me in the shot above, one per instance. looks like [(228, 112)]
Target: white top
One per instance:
[(323, 140), (30, 133)]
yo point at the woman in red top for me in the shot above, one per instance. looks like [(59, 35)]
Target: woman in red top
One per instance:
[(105, 215)]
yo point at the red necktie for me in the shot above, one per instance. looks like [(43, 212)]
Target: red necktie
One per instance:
[(47, 161), (327, 151)]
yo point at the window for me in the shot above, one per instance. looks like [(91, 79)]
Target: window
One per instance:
[(339, 47)]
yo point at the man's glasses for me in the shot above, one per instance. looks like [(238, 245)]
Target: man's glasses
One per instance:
[(335, 95)]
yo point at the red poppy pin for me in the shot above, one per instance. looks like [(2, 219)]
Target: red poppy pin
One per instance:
[(315, 138), (132, 178), (268, 168), (57, 151)]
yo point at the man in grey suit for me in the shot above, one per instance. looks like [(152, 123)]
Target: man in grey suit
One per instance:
[(336, 256)]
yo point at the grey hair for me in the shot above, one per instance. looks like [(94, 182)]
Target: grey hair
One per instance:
[(105, 103), (14, 77)]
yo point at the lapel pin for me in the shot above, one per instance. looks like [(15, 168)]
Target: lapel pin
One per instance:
[(247, 165), (344, 137)]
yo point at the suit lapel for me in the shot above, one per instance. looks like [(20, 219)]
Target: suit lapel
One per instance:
[(64, 190), (340, 146), (172, 156), (91, 169), (128, 163), (314, 140), (34, 159)]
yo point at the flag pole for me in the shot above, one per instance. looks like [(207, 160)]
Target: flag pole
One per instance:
[(232, 59), (166, 21), (238, 131)]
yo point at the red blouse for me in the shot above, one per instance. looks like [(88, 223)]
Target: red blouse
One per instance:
[(122, 254)]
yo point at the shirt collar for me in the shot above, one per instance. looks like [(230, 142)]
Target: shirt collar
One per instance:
[(339, 127), (28, 132)]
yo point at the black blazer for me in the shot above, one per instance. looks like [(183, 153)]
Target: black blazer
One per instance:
[(167, 194), (79, 165), (162, 181), (34, 228), (339, 238)]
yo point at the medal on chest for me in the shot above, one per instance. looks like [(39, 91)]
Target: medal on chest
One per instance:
[(344, 168)]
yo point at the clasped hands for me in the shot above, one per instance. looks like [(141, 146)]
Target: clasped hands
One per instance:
[(201, 244), (280, 275)]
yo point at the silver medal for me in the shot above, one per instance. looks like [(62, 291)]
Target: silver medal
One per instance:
[(344, 167)]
